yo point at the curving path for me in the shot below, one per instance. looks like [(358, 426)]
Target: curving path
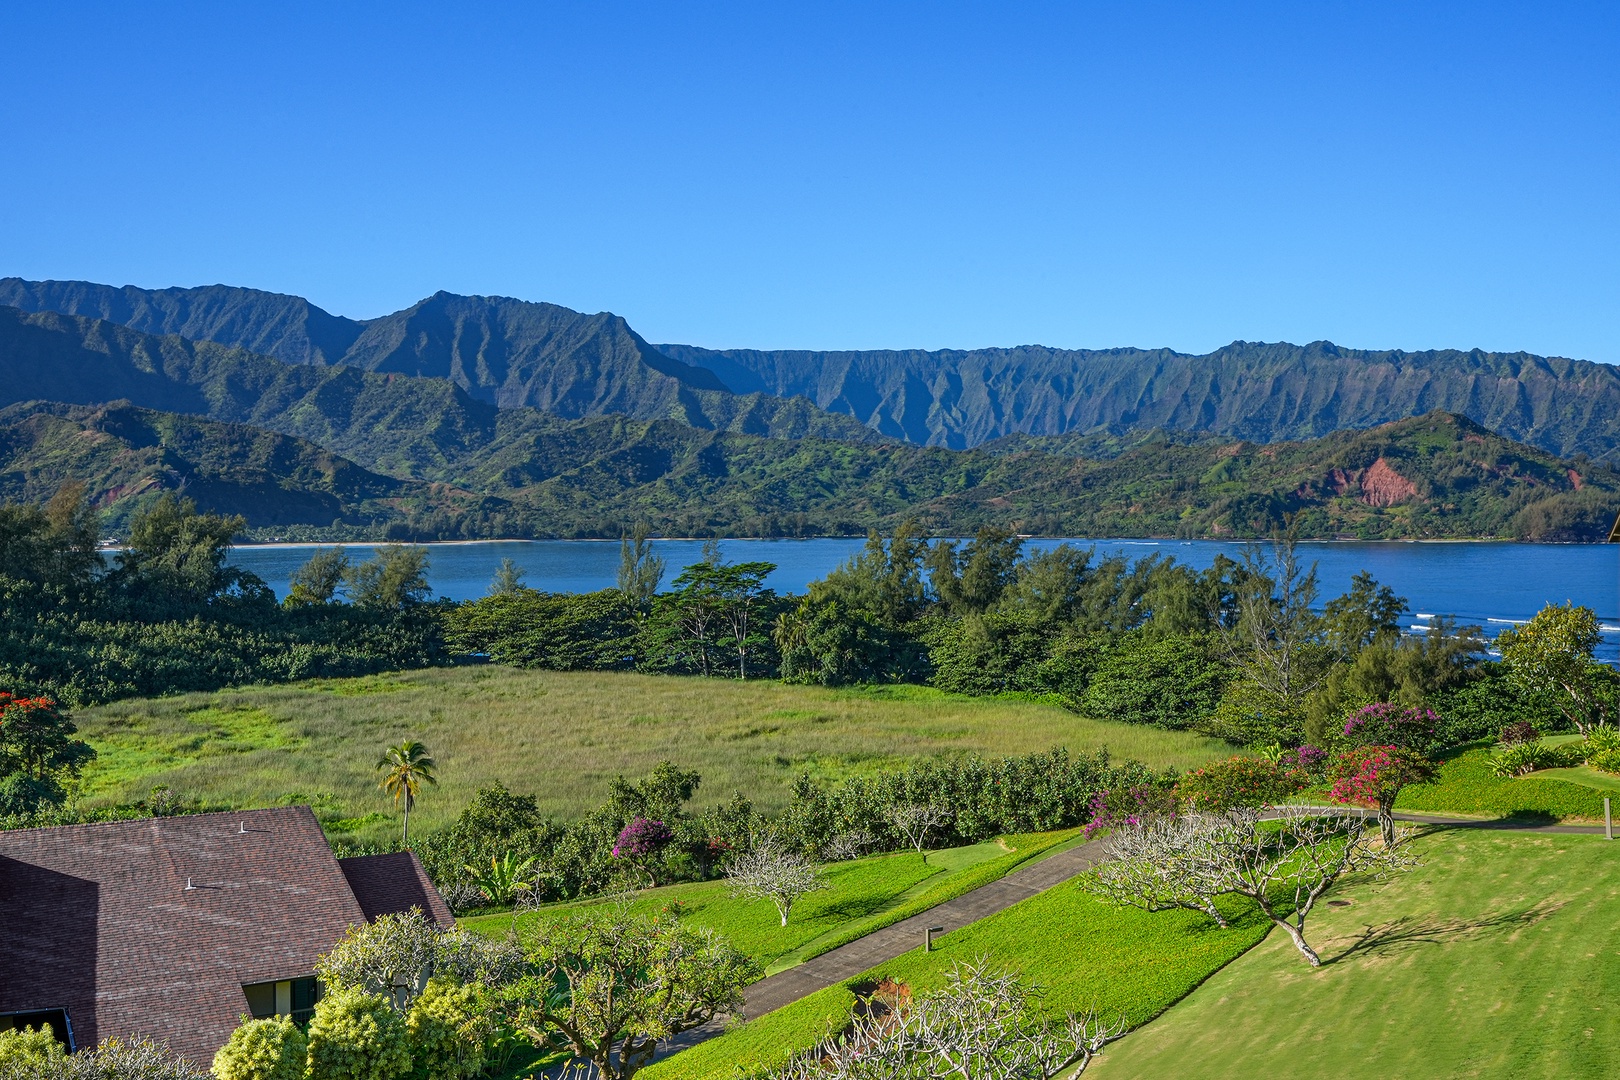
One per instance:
[(863, 954)]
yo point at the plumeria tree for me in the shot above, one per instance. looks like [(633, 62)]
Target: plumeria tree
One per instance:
[(1552, 654), (1373, 776), (770, 870)]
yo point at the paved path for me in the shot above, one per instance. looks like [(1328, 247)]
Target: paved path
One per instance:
[(863, 954)]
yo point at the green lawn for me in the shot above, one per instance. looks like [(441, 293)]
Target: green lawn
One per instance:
[(1498, 958), (862, 895), (1467, 787), (563, 736), (1082, 952)]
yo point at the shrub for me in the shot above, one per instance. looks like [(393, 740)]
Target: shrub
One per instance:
[(641, 838), (1601, 739), (1238, 781), (1308, 759), (1520, 731), (449, 1032), (1385, 724), (356, 1036), (1606, 761), (1129, 806), (1516, 759), (29, 1047), (269, 1049), (1169, 682)]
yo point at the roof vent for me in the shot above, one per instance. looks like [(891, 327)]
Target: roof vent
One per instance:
[(244, 829), (189, 885)]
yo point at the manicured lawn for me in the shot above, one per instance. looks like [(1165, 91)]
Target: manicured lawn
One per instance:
[(1084, 953), (1498, 958), (1467, 787), (862, 895), (563, 736)]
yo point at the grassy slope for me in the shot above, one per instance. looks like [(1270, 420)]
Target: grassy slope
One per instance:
[(1083, 953), (862, 896), (1467, 787), (562, 735), (1497, 958)]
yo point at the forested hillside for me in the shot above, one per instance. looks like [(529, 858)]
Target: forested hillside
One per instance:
[(516, 353)]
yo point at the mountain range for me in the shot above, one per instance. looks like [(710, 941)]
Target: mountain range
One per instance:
[(348, 439), (514, 353)]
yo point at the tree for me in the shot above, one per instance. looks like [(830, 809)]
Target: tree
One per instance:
[(640, 570), (37, 754), (395, 954), (136, 1058), (269, 1049), (318, 580), (770, 871), (982, 1025), (1552, 654), (915, 821), (972, 580), (1275, 647), (176, 556), (503, 877), (1152, 865), (1374, 775), (884, 581), (508, 579), (393, 579), (357, 1036), (1369, 612), (1284, 860), (717, 606), (610, 988), (406, 768)]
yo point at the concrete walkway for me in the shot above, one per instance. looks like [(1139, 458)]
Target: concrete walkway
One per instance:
[(863, 954)]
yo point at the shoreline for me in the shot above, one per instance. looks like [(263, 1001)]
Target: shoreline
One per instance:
[(1143, 540)]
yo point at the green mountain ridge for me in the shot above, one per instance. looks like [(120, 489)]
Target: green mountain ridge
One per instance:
[(515, 353)]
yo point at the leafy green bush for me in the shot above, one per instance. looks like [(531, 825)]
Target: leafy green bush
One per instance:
[(588, 632), (1517, 759), (1602, 739), (29, 1047), (1171, 682), (356, 1036), (449, 1032), (1606, 761), (1239, 781), (268, 1049)]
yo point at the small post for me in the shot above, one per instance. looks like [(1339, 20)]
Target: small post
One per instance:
[(1608, 820), (928, 937)]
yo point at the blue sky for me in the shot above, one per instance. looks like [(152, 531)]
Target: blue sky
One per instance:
[(846, 176)]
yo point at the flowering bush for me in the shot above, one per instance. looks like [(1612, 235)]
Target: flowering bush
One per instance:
[(1239, 781), (1307, 759), (1129, 806), (1387, 724), (641, 838), (449, 1030), (1373, 776)]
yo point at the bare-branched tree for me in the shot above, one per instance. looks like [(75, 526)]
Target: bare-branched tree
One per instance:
[(984, 1025), (850, 845), (1153, 865), (1283, 860), (771, 871), (915, 821)]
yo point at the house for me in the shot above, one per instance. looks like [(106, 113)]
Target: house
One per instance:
[(174, 927)]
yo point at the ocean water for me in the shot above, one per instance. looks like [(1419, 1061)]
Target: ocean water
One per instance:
[(1489, 584)]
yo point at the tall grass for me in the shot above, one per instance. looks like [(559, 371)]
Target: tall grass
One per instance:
[(563, 736)]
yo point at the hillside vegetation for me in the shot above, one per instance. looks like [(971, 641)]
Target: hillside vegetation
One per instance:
[(517, 353), (521, 472)]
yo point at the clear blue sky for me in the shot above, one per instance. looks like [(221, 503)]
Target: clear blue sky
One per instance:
[(843, 176)]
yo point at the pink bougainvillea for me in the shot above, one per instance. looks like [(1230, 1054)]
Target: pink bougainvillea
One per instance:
[(1386, 724), (1373, 776), (1128, 806), (641, 838)]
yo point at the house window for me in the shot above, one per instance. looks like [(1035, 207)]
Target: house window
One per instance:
[(55, 1019), (289, 997)]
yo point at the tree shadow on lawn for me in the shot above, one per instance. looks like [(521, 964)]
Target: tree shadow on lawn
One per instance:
[(1409, 931)]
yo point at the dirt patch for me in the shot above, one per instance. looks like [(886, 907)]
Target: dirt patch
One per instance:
[(1381, 485)]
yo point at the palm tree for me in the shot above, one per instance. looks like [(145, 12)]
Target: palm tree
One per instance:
[(407, 765)]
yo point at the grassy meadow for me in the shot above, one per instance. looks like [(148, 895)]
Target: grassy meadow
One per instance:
[(1498, 958), (562, 736)]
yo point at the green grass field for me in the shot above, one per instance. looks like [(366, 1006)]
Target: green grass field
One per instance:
[(1083, 953), (1466, 787), (560, 735), (1498, 958), (863, 895)]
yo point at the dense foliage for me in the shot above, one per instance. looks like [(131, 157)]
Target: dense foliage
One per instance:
[(169, 615)]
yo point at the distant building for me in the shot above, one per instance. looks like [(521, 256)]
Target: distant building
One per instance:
[(174, 927)]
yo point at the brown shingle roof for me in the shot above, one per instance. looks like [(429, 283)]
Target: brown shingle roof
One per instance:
[(394, 882), (97, 919)]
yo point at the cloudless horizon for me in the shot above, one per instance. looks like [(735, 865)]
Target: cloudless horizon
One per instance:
[(837, 176)]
